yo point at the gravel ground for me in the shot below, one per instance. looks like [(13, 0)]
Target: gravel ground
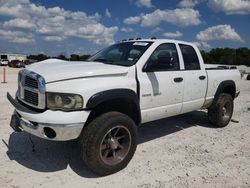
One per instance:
[(182, 151)]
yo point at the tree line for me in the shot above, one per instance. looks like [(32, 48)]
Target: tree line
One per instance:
[(228, 56)]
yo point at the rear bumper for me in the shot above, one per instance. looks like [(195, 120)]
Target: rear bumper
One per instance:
[(50, 125)]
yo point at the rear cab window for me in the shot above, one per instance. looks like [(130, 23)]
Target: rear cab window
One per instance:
[(190, 57)]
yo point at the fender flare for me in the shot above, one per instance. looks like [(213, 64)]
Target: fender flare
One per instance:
[(223, 85), (107, 95), (103, 96)]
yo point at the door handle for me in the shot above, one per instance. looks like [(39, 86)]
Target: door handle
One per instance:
[(178, 79), (202, 77)]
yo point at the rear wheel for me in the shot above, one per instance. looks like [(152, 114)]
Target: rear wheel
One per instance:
[(108, 143), (221, 111)]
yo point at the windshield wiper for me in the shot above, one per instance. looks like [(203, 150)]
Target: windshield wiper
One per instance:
[(103, 60)]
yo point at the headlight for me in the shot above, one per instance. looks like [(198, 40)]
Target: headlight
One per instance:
[(63, 101)]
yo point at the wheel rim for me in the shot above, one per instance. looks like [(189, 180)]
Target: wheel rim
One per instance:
[(226, 111), (115, 145)]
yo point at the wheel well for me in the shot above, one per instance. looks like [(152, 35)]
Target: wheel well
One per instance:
[(123, 105), (226, 87), (230, 89)]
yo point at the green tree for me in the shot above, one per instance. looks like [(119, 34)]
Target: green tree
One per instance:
[(62, 57), (227, 56), (74, 57), (84, 57)]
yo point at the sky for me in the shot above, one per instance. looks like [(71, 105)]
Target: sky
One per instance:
[(56, 27)]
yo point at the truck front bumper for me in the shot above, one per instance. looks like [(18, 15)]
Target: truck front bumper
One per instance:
[(50, 125)]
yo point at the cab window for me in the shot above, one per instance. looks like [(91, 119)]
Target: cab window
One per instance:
[(164, 58), (190, 58)]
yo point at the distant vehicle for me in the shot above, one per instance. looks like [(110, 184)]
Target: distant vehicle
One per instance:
[(16, 64), (3, 60), (29, 61)]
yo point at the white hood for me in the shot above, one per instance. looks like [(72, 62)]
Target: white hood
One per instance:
[(55, 70)]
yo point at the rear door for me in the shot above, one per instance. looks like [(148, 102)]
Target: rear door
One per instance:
[(195, 79)]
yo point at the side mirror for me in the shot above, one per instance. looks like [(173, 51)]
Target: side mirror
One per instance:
[(148, 67)]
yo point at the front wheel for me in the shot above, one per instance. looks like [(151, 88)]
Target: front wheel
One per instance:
[(221, 111), (108, 143)]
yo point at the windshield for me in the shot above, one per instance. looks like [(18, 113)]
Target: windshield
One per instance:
[(124, 54)]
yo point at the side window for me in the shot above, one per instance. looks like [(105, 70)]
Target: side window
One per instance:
[(164, 58), (190, 58)]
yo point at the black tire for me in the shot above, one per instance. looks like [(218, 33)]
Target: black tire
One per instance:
[(221, 111), (248, 77), (96, 141)]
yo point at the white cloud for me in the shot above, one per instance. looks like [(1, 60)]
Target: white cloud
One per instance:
[(19, 23), (205, 44), (144, 3), (132, 20), (180, 17), (219, 32), (230, 6), (156, 30), (127, 29), (189, 3), (16, 36), (11, 11), (173, 35), (13, 2), (197, 44), (202, 44), (53, 38), (54, 24), (108, 13)]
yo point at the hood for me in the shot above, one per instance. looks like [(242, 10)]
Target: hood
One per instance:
[(55, 70)]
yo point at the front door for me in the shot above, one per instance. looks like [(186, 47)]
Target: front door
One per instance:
[(161, 84)]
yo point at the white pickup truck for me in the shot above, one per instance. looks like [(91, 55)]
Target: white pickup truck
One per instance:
[(103, 100)]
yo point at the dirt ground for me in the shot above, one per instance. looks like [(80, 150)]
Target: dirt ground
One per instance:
[(182, 151)]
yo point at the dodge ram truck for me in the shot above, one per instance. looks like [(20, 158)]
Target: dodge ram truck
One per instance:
[(103, 100)]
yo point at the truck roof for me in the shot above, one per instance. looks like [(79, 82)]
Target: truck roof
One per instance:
[(157, 40)]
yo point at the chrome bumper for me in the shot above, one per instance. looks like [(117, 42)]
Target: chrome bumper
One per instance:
[(57, 132)]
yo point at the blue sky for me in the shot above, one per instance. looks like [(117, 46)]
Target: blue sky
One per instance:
[(62, 26)]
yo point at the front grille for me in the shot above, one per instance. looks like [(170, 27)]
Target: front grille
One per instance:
[(31, 82), (31, 89), (31, 97)]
